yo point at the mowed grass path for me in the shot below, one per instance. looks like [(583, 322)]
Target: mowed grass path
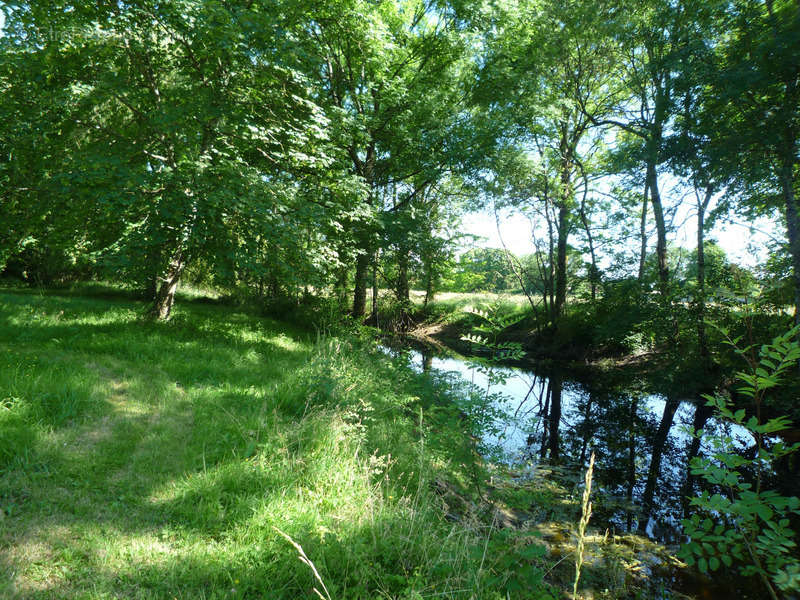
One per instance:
[(155, 460)]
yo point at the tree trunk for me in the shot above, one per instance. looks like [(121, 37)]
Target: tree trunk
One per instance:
[(165, 295), (661, 229), (561, 262), (546, 416), (366, 169), (588, 430), (701, 416), (792, 230), (700, 301), (594, 272), (788, 163), (427, 361), (631, 460), (565, 196), (551, 264), (654, 145), (341, 285), (554, 420), (360, 292), (402, 289), (374, 316), (643, 232), (428, 285), (655, 460)]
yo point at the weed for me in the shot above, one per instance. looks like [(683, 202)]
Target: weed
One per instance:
[(586, 513)]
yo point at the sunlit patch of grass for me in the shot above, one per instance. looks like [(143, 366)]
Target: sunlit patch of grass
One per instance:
[(154, 460), (457, 308), (477, 298)]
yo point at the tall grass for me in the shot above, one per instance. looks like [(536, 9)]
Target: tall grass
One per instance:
[(586, 513), (157, 460)]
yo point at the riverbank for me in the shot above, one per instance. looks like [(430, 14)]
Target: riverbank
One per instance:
[(163, 460), (631, 334)]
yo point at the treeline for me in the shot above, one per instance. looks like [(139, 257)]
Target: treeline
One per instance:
[(503, 272), (298, 148)]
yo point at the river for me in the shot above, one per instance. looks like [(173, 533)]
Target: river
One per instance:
[(642, 441)]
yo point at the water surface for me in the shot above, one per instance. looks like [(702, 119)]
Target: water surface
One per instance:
[(641, 438)]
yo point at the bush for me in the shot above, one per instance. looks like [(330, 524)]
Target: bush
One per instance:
[(746, 524)]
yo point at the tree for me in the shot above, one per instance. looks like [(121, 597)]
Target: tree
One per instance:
[(753, 108), (387, 75), (649, 39), (544, 79), (182, 125)]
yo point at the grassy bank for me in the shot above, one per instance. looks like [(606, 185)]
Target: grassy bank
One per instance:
[(159, 460), (185, 459)]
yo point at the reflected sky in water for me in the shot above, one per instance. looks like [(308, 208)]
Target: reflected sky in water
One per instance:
[(552, 418)]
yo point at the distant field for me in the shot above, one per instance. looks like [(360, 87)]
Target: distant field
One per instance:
[(458, 298)]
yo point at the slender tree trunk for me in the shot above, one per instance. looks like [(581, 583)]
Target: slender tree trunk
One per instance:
[(367, 170), (561, 263), (341, 285), (587, 434), (701, 416), (554, 420), (427, 362), (792, 229), (661, 229), (643, 231), (654, 144), (374, 316), (402, 290), (546, 418), (594, 273), (702, 339), (168, 281), (428, 285), (562, 227), (653, 472), (551, 264), (789, 159)]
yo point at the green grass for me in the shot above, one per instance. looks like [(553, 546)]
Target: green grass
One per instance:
[(155, 460), (459, 301)]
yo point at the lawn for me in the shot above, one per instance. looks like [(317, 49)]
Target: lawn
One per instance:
[(159, 460)]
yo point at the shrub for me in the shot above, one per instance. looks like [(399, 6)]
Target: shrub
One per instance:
[(743, 523)]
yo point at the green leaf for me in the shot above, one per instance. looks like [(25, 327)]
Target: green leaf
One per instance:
[(702, 564)]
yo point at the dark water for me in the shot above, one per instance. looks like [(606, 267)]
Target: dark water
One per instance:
[(641, 439)]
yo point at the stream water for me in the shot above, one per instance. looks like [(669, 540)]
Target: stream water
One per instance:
[(641, 439)]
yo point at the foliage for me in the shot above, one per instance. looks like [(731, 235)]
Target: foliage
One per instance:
[(747, 523), (481, 270), (493, 322)]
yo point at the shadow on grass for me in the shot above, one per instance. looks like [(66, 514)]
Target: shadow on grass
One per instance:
[(187, 442)]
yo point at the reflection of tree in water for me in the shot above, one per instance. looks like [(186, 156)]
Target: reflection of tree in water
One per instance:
[(642, 450), (641, 466)]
